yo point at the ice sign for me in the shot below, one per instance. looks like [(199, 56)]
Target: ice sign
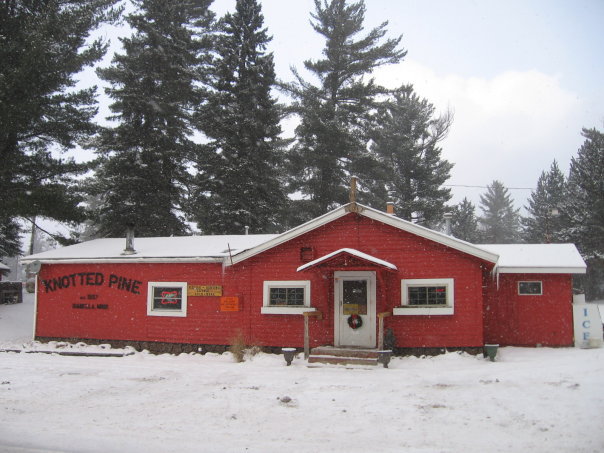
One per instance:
[(588, 325)]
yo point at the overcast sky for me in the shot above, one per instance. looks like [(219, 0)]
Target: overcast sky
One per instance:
[(522, 77)]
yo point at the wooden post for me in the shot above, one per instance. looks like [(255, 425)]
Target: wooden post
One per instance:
[(306, 338), (308, 314), (381, 317)]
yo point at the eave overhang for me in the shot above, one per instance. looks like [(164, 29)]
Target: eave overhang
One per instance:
[(124, 260), (540, 270), (350, 252)]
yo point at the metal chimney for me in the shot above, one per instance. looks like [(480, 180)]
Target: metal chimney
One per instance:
[(129, 250), (448, 216)]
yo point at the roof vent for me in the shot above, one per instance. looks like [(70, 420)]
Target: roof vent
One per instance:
[(307, 254)]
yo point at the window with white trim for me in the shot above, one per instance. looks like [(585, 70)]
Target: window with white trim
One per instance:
[(530, 288), (167, 299), (427, 296), (286, 297)]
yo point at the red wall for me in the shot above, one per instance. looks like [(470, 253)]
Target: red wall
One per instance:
[(512, 319), (126, 316)]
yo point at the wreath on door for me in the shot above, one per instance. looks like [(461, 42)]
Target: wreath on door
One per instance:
[(355, 321)]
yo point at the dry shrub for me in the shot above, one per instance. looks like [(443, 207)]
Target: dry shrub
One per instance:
[(240, 348), (251, 351)]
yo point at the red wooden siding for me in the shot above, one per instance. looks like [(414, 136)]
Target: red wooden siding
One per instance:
[(512, 319), (126, 316)]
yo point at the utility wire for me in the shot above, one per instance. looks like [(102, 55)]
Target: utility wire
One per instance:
[(486, 187)]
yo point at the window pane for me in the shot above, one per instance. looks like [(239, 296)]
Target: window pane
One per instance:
[(417, 295), (167, 298), (437, 295), (286, 296), (295, 296), (354, 296), (427, 295), (529, 288)]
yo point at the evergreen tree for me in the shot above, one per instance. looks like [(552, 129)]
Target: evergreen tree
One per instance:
[(43, 45), (500, 220), (10, 241), (464, 224), (583, 210), (142, 174), (544, 223), (331, 139), (240, 177), (411, 167)]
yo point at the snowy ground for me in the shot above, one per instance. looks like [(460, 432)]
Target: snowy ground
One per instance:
[(537, 400)]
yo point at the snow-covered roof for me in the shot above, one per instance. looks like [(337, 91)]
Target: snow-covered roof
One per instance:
[(181, 248), (537, 258), (4, 267), (509, 258), (352, 252)]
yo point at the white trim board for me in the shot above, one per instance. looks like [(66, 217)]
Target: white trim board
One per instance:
[(352, 252)]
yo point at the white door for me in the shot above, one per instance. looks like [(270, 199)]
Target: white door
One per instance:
[(354, 305)]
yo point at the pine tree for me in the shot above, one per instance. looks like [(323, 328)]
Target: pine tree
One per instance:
[(583, 209), (544, 223), (142, 174), (240, 176), (43, 46), (500, 220), (411, 167), (335, 114), (464, 224), (10, 241)]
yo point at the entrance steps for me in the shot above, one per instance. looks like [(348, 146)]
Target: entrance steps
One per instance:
[(343, 356)]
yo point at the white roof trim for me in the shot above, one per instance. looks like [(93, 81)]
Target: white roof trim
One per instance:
[(288, 235), (541, 270), (168, 259), (374, 214), (431, 235), (353, 252)]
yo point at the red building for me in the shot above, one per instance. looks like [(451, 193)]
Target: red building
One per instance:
[(349, 275)]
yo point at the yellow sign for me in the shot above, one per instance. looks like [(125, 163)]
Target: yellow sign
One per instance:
[(350, 309), (204, 290), (229, 303)]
